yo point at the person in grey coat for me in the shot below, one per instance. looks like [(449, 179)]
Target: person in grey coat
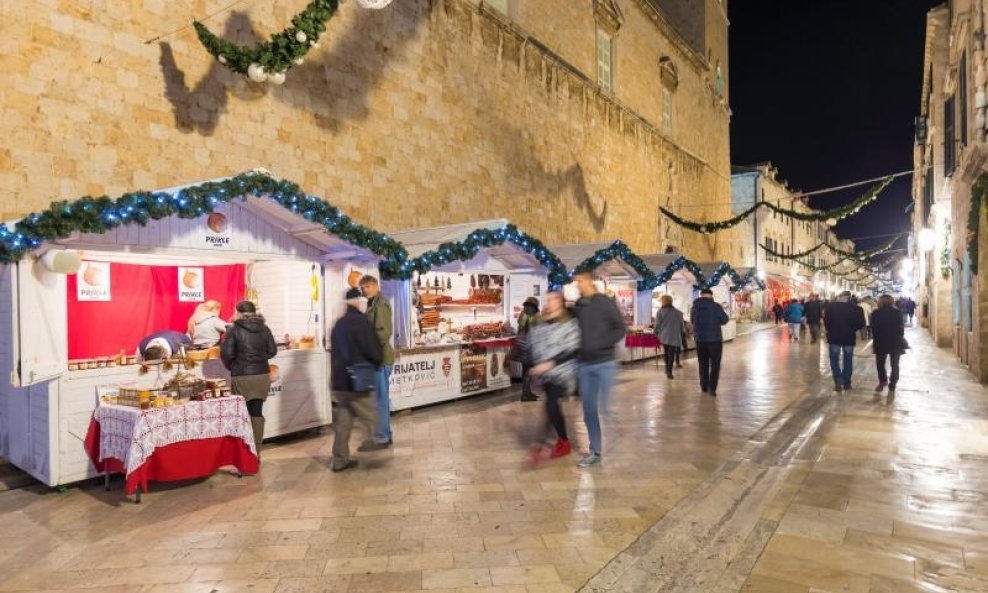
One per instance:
[(555, 343), (669, 329)]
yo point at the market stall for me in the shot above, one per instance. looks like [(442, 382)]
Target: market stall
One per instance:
[(715, 275), (673, 278), (618, 272), (144, 263), (456, 307)]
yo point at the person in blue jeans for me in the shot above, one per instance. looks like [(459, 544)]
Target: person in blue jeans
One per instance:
[(601, 328), (843, 319), (379, 314)]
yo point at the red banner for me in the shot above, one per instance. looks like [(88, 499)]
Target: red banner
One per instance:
[(144, 300)]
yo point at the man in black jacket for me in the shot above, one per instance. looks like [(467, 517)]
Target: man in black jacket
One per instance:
[(245, 351), (601, 328), (814, 315), (843, 320), (708, 319), (356, 356)]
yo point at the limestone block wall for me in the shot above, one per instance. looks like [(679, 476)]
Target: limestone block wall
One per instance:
[(426, 113)]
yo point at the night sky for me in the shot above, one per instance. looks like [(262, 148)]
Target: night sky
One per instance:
[(827, 91)]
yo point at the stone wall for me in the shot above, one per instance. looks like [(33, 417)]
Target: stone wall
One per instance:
[(428, 112)]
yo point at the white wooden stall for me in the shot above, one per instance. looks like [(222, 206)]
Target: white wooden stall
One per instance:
[(45, 408), (433, 367), (618, 279)]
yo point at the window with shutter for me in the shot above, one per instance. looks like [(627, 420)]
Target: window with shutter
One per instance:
[(604, 61), (949, 138), (962, 102)]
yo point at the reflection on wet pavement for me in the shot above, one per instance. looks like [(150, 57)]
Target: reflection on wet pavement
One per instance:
[(777, 485)]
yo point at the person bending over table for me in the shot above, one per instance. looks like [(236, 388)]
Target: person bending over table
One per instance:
[(163, 344)]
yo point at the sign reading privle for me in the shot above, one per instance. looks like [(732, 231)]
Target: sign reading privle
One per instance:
[(93, 281), (191, 285)]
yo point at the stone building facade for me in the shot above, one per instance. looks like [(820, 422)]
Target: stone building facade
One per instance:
[(575, 119), (783, 235), (950, 155)]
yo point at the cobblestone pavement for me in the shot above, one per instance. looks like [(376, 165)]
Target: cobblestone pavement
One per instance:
[(777, 485)]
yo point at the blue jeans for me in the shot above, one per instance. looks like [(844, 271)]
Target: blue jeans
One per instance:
[(382, 392), (842, 378), (595, 392)]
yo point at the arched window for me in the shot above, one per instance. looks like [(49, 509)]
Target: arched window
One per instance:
[(720, 80)]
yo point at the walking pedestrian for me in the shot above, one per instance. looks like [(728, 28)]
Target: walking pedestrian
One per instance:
[(356, 359), (843, 320), (247, 347), (778, 311), (889, 342), (379, 314), (908, 310), (814, 315), (669, 329), (601, 328), (526, 321), (707, 318), (794, 317), (555, 343), (866, 308)]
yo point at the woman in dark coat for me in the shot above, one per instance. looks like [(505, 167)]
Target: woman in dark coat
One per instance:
[(888, 334)]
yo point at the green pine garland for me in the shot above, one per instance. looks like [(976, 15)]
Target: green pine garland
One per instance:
[(285, 49), (978, 191), (468, 248), (100, 214), (617, 250), (859, 258), (817, 216)]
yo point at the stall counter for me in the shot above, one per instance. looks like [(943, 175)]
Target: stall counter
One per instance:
[(434, 374), (291, 406)]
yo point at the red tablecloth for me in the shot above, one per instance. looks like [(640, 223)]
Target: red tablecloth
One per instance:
[(170, 444), (642, 341), (495, 343)]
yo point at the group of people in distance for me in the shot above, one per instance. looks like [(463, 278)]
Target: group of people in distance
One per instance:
[(845, 320)]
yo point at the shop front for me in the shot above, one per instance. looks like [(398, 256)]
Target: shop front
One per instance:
[(145, 264), (457, 307), (618, 272)]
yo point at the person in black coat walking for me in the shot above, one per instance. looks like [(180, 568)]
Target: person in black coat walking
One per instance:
[(708, 317), (842, 320), (888, 333), (814, 315), (247, 347), (356, 355)]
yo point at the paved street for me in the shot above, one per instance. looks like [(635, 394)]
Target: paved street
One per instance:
[(775, 486)]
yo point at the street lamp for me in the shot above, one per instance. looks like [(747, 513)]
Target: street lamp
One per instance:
[(907, 265), (761, 274), (927, 240)]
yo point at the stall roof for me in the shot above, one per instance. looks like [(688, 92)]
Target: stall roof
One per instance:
[(418, 242), (659, 262), (574, 255), (314, 234), (709, 268)]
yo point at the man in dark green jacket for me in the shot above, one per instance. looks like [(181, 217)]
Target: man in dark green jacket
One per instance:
[(379, 313)]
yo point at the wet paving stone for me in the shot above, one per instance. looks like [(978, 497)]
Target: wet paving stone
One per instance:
[(778, 484)]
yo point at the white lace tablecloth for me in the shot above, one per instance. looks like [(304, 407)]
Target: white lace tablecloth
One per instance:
[(131, 435)]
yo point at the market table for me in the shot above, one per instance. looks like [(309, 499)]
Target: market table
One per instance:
[(642, 341), (170, 444)]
